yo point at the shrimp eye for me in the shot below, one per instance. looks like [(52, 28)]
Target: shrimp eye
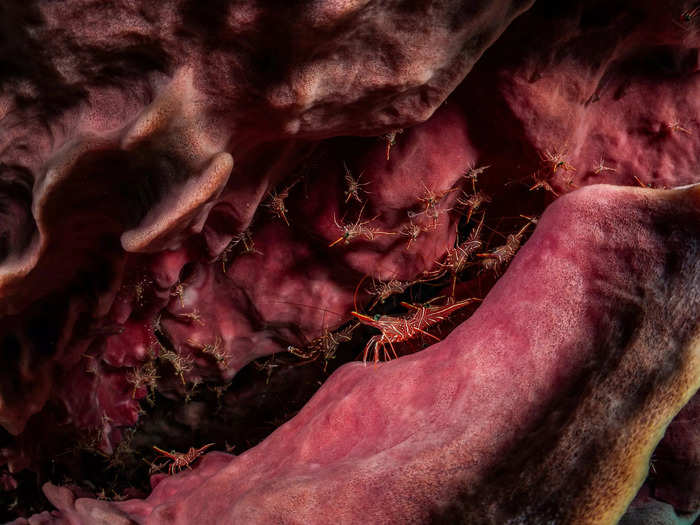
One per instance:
[(376, 317)]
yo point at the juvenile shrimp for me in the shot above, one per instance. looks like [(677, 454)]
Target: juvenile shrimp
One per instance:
[(354, 185), (181, 460), (277, 205), (397, 329), (431, 198), (602, 167), (541, 182), (412, 231), (502, 255), (246, 239), (557, 159), (676, 126), (457, 258), (358, 228), (390, 139), (324, 345), (385, 289), (473, 202), (473, 173)]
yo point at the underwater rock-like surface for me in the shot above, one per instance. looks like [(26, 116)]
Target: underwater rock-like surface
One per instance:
[(519, 416), (195, 196)]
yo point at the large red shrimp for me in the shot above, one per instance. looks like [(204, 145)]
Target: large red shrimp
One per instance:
[(397, 329)]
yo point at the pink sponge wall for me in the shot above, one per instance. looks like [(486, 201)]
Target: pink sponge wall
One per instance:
[(501, 420), (177, 214)]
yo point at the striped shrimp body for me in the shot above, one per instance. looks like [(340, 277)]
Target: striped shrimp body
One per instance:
[(182, 460), (397, 329)]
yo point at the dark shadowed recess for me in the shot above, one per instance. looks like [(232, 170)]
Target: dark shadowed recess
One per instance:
[(235, 415), (17, 225), (107, 192), (26, 342)]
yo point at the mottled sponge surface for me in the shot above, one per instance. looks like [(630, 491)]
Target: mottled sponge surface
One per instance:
[(188, 191), (544, 406)]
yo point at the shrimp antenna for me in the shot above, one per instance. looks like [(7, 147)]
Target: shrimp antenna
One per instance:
[(312, 307), (357, 288)]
